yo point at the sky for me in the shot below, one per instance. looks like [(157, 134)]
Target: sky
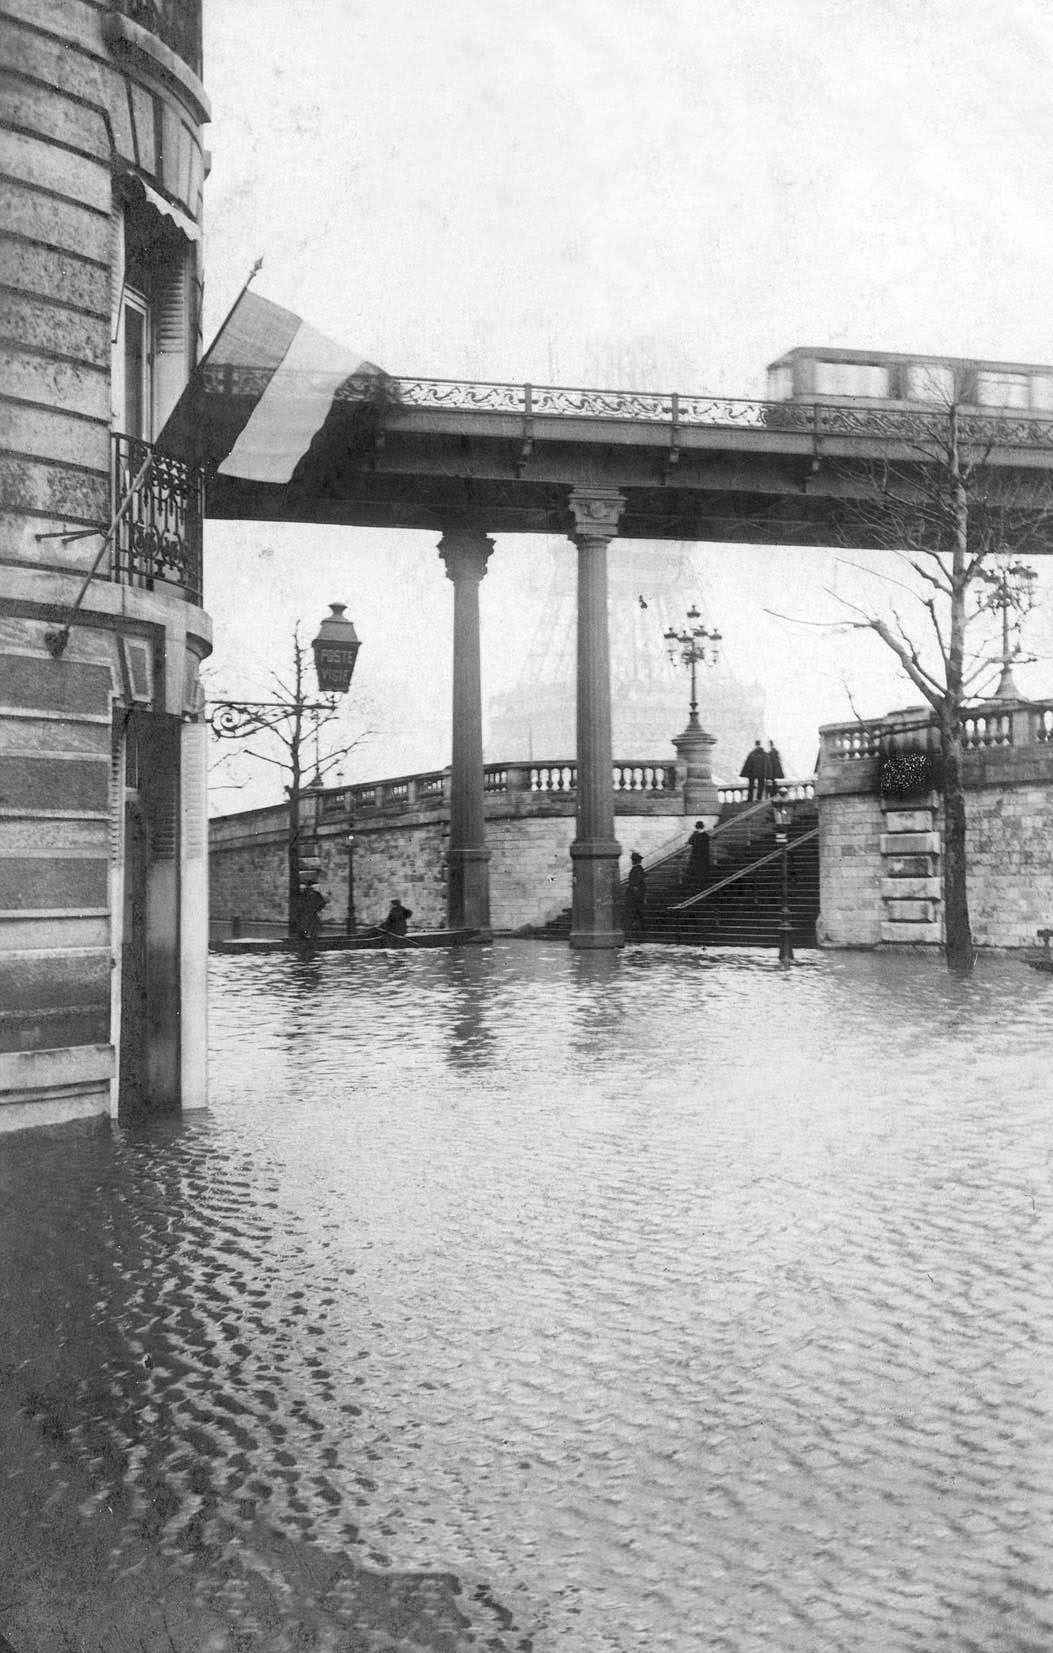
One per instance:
[(659, 193)]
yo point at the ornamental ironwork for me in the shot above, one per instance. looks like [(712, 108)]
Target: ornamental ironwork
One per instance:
[(236, 719), (158, 537), (814, 419), (913, 426)]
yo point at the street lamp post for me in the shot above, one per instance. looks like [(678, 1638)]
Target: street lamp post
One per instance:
[(782, 808), (693, 647), (352, 921), (335, 651), (1012, 592)]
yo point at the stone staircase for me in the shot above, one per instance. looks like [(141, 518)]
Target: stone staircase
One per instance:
[(742, 904)]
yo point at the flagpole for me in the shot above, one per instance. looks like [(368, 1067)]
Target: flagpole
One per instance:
[(192, 439), (246, 284)]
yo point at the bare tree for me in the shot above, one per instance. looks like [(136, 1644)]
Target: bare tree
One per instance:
[(959, 523)]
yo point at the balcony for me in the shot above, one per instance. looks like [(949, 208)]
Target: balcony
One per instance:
[(158, 536)]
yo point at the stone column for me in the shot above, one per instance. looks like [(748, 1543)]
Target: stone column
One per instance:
[(465, 551), (595, 850)]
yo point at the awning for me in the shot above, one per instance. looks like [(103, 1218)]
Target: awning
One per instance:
[(182, 220)]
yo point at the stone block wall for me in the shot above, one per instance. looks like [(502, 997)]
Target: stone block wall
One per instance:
[(1010, 838), (403, 861), (850, 871), (881, 861), (530, 868), (248, 875)]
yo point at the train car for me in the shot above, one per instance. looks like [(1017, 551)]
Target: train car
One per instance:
[(889, 379)]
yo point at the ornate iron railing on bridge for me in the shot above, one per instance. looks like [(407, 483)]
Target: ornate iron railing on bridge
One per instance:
[(159, 535), (814, 419), (674, 410)]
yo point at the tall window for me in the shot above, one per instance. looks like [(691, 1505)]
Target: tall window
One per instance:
[(153, 267), (136, 404)]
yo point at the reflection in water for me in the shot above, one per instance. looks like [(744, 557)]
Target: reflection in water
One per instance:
[(471, 1040), (519, 1298)]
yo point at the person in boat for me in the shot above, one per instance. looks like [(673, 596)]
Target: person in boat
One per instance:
[(754, 771), (398, 918), (309, 918), (635, 895), (696, 873)]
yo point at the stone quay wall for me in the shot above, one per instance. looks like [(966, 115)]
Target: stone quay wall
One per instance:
[(400, 833), (880, 860)]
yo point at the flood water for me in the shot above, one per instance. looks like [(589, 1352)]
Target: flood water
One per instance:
[(523, 1299)]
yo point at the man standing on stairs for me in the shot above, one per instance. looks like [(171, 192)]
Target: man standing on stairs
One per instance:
[(755, 770), (696, 873)]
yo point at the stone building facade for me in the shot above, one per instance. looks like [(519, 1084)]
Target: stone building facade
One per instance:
[(103, 837), (880, 857)]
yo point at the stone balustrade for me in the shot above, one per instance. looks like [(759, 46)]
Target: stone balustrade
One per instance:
[(739, 793), (639, 784), (994, 724)]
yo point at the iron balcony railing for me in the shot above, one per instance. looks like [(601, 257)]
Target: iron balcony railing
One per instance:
[(158, 536)]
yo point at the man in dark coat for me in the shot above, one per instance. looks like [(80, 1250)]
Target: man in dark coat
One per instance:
[(309, 918), (635, 895), (772, 768), (397, 919), (755, 770), (696, 873)]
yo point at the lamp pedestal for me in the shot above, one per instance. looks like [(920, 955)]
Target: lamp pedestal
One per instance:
[(694, 765)]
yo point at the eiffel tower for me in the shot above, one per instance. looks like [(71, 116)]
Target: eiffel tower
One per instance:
[(651, 587)]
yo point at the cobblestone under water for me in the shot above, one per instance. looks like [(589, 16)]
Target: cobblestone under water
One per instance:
[(528, 1300)]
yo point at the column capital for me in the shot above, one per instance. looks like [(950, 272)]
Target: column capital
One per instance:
[(596, 513), (465, 551)]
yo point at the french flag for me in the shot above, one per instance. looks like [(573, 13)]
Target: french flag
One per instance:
[(262, 393)]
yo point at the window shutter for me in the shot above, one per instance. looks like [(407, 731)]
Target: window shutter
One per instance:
[(171, 335), (172, 319)]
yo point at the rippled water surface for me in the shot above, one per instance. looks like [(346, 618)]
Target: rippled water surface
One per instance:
[(527, 1299)]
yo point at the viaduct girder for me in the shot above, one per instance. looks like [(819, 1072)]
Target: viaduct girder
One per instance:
[(742, 472)]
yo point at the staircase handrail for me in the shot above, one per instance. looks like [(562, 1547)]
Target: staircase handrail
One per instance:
[(721, 826), (743, 872)]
